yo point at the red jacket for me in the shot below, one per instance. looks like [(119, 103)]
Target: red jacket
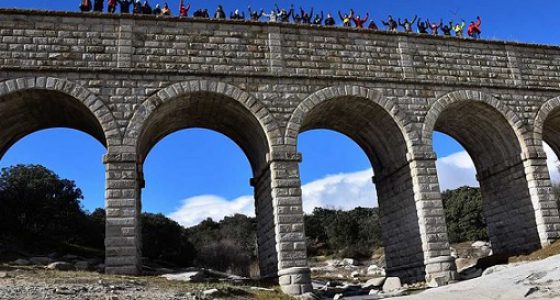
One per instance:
[(474, 27), (360, 22)]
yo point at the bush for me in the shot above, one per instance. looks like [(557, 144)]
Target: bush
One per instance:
[(464, 215), (225, 255), (165, 240), (36, 206)]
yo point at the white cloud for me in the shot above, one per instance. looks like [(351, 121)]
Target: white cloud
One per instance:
[(198, 208), (456, 170), (343, 191)]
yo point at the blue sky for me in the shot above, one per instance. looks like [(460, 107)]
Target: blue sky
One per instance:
[(201, 169)]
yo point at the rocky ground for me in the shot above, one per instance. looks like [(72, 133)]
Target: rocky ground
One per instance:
[(522, 280), (26, 283), (73, 277)]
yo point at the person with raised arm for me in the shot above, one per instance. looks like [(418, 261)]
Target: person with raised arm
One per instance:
[(98, 5), (422, 27), (157, 10), (85, 5), (347, 18), (237, 15), (146, 8), (283, 14), (434, 26), (306, 16), (255, 15), (125, 6), (446, 29), (459, 28), (111, 6), (220, 14), (474, 29), (391, 24), (183, 10), (272, 16), (358, 21), (166, 11), (318, 19), (329, 21), (137, 8), (407, 25)]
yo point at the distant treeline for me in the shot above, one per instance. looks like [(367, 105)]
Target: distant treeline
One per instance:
[(41, 213)]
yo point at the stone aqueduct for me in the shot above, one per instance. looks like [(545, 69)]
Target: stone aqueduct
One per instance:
[(130, 81)]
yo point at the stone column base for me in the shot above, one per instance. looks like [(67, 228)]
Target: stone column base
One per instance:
[(440, 271), (295, 281)]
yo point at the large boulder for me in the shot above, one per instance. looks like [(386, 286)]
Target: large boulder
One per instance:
[(481, 249), (392, 284), (374, 270), (374, 283), (194, 276)]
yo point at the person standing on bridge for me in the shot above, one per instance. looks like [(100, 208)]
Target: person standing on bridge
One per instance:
[(85, 6), (358, 21), (183, 10), (137, 8), (111, 6), (157, 10), (447, 29), (220, 14), (318, 19), (435, 26), (329, 21), (283, 14), (391, 24), (297, 18), (98, 5), (146, 8), (125, 6), (459, 29), (474, 29), (237, 15), (165, 11), (422, 27), (372, 25), (306, 16), (346, 19), (272, 17), (407, 25), (255, 15)]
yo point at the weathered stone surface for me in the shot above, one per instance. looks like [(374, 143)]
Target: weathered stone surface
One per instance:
[(391, 284), (129, 80), (61, 266)]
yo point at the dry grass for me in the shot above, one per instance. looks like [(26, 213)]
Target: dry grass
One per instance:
[(543, 253)]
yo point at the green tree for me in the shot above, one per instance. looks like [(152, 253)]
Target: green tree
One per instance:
[(464, 214), (35, 202), (165, 240)]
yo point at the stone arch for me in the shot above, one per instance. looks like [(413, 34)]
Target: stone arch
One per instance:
[(516, 123), (69, 105), (228, 110), (494, 137), (547, 125), (358, 94), (381, 129), (213, 91)]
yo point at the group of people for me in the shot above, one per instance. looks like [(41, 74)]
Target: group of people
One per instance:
[(288, 15)]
